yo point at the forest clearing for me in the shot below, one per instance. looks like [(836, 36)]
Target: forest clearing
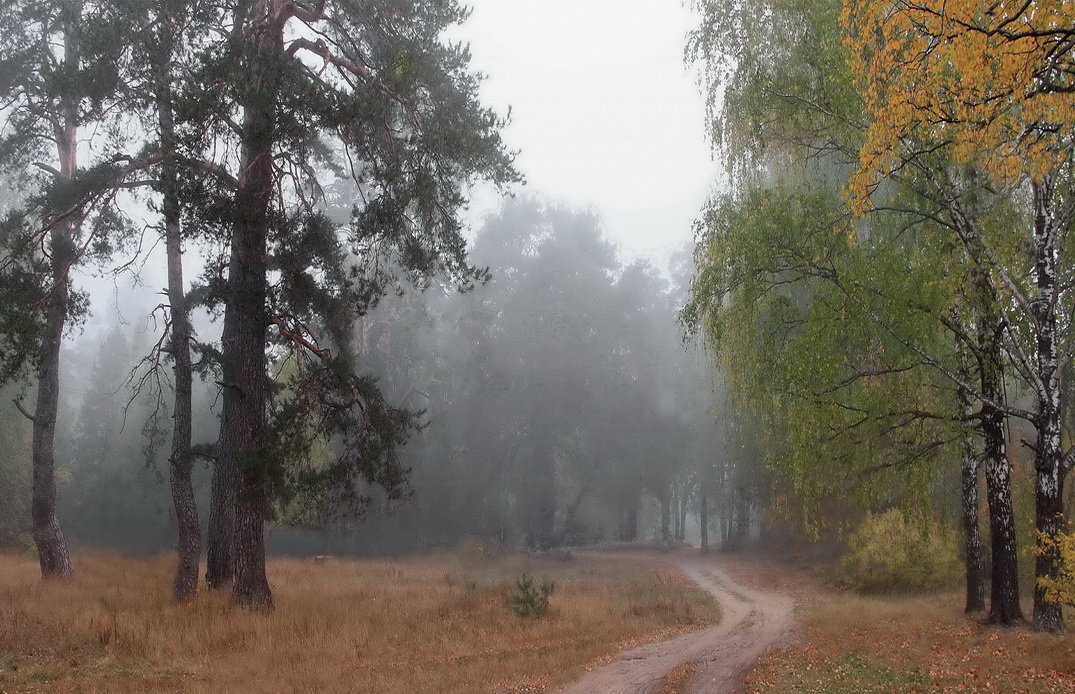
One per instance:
[(438, 623), (336, 336)]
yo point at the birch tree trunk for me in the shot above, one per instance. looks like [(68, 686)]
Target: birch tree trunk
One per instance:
[(1049, 486), (972, 536), (1004, 605)]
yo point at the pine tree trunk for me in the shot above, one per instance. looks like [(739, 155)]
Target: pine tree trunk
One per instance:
[(220, 536), (51, 546), (703, 521), (242, 446), (1049, 486), (180, 460)]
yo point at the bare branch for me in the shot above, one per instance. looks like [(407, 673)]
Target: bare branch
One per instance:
[(19, 407)]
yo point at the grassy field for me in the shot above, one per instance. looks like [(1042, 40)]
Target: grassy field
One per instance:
[(855, 644), (431, 624)]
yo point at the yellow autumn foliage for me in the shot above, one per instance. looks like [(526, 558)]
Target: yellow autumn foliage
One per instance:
[(891, 552), (1060, 588), (992, 81)]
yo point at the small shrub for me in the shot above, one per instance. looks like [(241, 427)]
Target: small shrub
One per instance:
[(529, 600), (1061, 588), (892, 552)]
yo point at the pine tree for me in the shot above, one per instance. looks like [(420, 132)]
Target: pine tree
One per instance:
[(59, 65), (379, 100)]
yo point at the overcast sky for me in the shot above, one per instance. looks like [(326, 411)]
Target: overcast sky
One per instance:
[(604, 113)]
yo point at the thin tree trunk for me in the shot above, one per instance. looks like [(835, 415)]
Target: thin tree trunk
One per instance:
[(742, 518), (974, 567), (675, 515), (726, 540), (181, 460), (666, 516), (681, 529), (703, 520), (973, 561)]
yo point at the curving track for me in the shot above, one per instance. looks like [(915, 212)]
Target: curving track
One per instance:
[(718, 657)]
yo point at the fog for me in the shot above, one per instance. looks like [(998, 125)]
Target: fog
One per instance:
[(561, 406)]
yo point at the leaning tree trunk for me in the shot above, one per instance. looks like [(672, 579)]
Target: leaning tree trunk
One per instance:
[(1049, 486), (242, 448), (180, 461)]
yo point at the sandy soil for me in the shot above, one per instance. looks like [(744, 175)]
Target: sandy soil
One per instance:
[(709, 661)]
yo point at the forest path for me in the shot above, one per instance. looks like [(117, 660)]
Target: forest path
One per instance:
[(710, 661)]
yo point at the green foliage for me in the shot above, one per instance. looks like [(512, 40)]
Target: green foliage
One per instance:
[(830, 330), (15, 435), (892, 551), (816, 328), (528, 599)]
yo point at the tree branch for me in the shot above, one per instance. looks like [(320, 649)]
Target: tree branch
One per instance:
[(19, 407)]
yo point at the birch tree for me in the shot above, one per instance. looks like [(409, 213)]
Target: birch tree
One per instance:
[(991, 83)]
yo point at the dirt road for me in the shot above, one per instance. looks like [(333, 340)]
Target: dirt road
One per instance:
[(713, 660)]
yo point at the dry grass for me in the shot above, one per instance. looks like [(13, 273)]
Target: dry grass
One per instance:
[(434, 624), (855, 644)]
